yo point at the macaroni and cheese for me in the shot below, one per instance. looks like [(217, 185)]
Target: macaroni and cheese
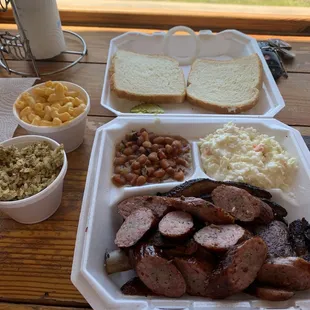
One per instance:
[(50, 105), (244, 155)]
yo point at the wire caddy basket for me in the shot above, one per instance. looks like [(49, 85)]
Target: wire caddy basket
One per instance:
[(17, 47)]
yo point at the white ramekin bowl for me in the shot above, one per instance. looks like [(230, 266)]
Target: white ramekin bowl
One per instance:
[(71, 135), (42, 205)]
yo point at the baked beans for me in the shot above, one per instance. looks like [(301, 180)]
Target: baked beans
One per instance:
[(145, 157)]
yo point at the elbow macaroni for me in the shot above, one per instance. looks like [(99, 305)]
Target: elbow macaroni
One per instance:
[(50, 105)]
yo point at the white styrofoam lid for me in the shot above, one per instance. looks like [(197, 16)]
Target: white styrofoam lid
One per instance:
[(227, 44)]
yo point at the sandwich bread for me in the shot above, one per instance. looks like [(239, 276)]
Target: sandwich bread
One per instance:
[(229, 86), (147, 78)]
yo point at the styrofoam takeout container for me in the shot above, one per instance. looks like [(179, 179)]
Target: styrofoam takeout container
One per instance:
[(71, 135), (225, 45), (99, 220), (42, 205)]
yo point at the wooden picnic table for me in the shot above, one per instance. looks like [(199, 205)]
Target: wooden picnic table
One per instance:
[(35, 260)]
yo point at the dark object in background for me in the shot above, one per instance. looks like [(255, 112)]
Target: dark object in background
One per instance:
[(274, 51)]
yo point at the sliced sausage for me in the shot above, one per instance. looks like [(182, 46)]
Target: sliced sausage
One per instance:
[(159, 205), (220, 238), (270, 293), (238, 269), (297, 236), (200, 187), (292, 273), (276, 238), (176, 224), (136, 287), (134, 227), (203, 210), (188, 248), (242, 205), (159, 274), (195, 272)]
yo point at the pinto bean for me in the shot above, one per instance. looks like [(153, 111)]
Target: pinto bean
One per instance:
[(142, 159), (147, 144), (119, 160), (168, 140), (161, 155), (181, 161), (128, 151), (153, 157), (164, 163), (159, 173), (178, 176), (118, 180), (135, 165), (159, 140), (141, 180)]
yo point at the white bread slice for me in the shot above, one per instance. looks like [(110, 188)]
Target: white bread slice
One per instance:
[(229, 86), (147, 78)]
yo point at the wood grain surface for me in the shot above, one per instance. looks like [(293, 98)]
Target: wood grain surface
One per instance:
[(132, 16), (35, 260), (11, 306)]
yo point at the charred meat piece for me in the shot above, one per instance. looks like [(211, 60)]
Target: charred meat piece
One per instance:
[(134, 227), (269, 293), (196, 272), (276, 238), (238, 269), (158, 240), (176, 224), (193, 188), (188, 248), (200, 187), (203, 210), (276, 208), (241, 205), (219, 238), (292, 273), (298, 238), (207, 197), (159, 274), (136, 287), (159, 205)]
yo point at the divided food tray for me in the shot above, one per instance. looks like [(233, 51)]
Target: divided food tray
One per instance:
[(99, 220), (225, 45)]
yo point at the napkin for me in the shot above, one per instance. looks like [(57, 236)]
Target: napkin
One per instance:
[(10, 89)]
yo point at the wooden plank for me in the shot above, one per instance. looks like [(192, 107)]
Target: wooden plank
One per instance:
[(132, 16), (98, 39), (9, 306), (296, 93), (295, 90)]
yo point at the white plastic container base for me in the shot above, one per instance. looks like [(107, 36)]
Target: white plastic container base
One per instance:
[(99, 220), (42, 205), (71, 135), (225, 45)]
